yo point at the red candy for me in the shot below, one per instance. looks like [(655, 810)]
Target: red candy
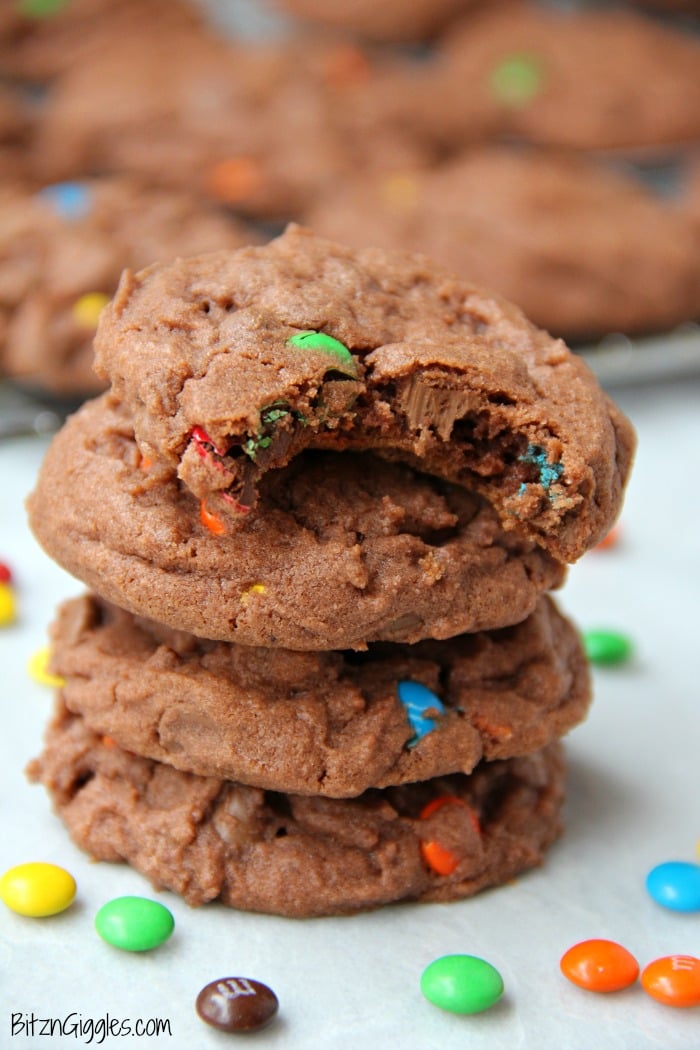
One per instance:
[(599, 966), (5, 573), (673, 980)]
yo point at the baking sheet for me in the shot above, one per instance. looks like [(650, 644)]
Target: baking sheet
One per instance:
[(634, 786)]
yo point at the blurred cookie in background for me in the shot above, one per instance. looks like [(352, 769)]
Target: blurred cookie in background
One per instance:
[(583, 248), (393, 22), (62, 251), (597, 79)]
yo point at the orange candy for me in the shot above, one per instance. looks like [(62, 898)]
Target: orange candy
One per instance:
[(438, 858), (235, 180), (211, 521), (673, 980), (612, 539), (599, 966)]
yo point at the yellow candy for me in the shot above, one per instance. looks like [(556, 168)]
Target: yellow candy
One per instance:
[(87, 309), (257, 588), (37, 889), (8, 605), (37, 667)]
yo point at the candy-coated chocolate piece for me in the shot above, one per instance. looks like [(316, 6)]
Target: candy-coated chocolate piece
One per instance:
[(328, 345), (438, 858), (70, 200), (236, 1004), (40, 8), (210, 520), (5, 573), (462, 984), (37, 889), (235, 180), (37, 668), (8, 605), (673, 980), (87, 309), (607, 647), (612, 539), (600, 965), (418, 699), (675, 884), (517, 79), (135, 924)]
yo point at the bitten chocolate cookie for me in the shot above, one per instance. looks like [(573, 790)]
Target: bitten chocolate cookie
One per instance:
[(342, 549), (329, 723), (210, 839), (583, 248), (62, 251), (233, 363), (592, 79)]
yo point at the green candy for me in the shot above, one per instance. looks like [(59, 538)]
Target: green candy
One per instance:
[(134, 924), (607, 647), (517, 80), (39, 8), (327, 345), (462, 984)]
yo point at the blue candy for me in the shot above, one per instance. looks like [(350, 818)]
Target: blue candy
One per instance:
[(70, 200), (676, 885), (549, 472), (417, 699)]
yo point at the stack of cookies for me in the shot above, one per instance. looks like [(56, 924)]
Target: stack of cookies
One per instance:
[(319, 510)]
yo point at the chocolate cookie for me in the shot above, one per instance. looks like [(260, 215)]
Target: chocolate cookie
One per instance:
[(584, 79), (342, 549), (62, 251), (210, 839), (583, 248), (39, 41), (260, 128), (396, 21), (328, 723), (232, 363)]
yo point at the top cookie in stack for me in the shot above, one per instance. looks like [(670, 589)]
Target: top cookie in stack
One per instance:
[(237, 376)]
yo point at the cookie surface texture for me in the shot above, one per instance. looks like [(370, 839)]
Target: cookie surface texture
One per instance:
[(209, 839), (342, 549), (206, 354)]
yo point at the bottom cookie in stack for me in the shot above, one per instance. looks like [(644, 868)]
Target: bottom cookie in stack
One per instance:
[(305, 783), (208, 838)]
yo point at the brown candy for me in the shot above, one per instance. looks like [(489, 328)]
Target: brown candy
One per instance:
[(236, 1004)]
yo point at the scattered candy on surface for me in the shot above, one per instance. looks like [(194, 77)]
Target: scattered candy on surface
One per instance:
[(5, 573), (462, 984), (673, 980), (37, 667), (87, 309), (607, 647), (612, 539), (517, 80), (675, 884), (37, 889), (418, 700), (69, 200), (328, 345), (8, 605), (600, 966), (236, 1004), (134, 924)]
